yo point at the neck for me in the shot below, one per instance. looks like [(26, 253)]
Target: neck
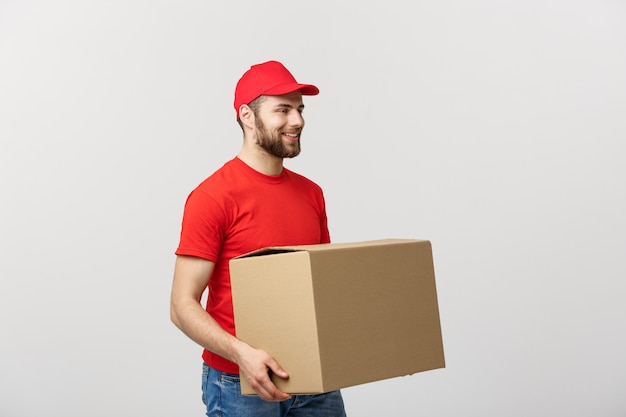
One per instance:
[(261, 161)]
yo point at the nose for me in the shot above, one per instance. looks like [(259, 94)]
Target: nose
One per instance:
[(296, 119)]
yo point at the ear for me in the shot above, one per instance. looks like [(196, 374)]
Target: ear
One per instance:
[(246, 115)]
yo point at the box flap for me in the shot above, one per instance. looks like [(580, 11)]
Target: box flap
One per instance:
[(271, 250), (267, 251)]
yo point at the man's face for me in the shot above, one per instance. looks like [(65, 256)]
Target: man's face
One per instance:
[(279, 124)]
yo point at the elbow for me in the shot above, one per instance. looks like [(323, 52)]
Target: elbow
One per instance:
[(174, 317)]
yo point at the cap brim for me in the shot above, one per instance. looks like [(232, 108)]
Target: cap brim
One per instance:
[(305, 89)]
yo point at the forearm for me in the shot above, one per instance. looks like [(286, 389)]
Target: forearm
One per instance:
[(199, 326), (191, 276)]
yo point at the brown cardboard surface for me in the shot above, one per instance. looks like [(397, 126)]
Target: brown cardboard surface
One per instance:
[(341, 314)]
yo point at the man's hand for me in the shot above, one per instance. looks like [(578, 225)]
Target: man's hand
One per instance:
[(255, 366)]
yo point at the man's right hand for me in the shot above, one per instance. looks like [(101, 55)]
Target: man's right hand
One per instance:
[(255, 366)]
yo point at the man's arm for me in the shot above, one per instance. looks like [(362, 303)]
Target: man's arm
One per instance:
[(191, 276)]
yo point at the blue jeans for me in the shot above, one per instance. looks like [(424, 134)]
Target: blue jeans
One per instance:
[(221, 393)]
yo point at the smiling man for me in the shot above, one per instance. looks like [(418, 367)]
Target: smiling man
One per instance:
[(251, 202)]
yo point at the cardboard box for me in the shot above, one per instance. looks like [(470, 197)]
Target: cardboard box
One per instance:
[(337, 315)]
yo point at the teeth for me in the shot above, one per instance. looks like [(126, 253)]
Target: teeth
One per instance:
[(293, 135)]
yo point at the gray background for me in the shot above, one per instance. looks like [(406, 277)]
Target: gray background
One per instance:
[(495, 129)]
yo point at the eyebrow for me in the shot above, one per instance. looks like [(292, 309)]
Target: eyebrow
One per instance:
[(289, 106)]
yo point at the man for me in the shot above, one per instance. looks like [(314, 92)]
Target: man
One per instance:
[(251, 202)]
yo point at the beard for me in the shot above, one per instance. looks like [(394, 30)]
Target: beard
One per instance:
[(272, 142)]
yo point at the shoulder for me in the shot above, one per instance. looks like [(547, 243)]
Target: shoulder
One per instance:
[(219, 180), (214, 193)]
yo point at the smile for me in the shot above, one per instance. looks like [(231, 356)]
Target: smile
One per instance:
[(292, 137)]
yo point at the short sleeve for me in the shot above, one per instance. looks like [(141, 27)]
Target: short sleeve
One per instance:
[(202, 230)]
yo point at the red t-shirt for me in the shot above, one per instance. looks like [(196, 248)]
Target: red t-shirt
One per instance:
[(237, 210)]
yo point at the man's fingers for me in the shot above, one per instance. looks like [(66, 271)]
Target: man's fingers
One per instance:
[(256, 366), (267, 390), (276, 369)]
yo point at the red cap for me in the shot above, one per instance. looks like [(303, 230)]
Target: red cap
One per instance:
[(269, 78)]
